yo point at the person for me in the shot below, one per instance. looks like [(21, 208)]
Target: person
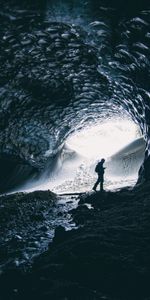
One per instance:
[(100, 172)]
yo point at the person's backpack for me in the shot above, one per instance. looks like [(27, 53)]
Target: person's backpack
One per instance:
[(97, 168)]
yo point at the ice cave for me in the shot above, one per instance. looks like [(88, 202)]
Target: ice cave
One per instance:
[(74, 88)]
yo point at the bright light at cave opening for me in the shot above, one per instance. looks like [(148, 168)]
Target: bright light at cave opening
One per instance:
[(105, 139), (74, 169)]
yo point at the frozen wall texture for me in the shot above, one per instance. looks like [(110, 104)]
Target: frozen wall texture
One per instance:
[(64, 64)]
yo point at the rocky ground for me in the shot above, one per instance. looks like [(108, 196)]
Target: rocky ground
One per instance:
[(27, 225), (107, 257)]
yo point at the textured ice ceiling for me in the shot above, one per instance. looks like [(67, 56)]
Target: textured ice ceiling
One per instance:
[(64, 65)]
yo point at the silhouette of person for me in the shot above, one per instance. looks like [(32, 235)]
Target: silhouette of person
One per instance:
[(100, 172)]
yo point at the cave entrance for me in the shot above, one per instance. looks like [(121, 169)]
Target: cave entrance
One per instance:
[(103, 139), (118, 140)]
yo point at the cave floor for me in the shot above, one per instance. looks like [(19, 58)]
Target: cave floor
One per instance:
[(106, 256)]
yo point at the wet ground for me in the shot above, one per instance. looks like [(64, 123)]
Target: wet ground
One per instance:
[(27, 225), (106, 256)]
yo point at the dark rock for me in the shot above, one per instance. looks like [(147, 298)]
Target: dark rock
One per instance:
[(59, 234), (108, 255), (60, 214), (44, 228), (37, 217), (81, 214)]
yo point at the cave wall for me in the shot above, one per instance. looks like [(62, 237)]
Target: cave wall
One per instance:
[(64, 64)]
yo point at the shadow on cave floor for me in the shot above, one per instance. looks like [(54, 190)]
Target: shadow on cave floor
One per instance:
[(107, 257)]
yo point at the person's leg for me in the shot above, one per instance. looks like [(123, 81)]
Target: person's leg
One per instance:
[(101, 185), (96, 184)]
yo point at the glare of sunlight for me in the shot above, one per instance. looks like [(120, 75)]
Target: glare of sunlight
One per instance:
[(75, 165), (104, 139)]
